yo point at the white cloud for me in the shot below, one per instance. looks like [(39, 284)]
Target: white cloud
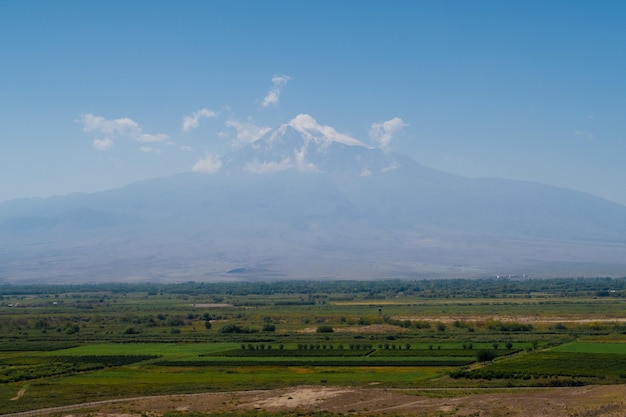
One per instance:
[(193, 121), (273, 96), (268, 167), (246, 131), (210, 164), (102, 144), (382, 133), (148, 149), (302, 164), (117, 128), (186, 148), (146, 137), (394, 165), (307, 126), (585, 134)]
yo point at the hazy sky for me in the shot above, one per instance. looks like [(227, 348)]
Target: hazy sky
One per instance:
[(97, 94)]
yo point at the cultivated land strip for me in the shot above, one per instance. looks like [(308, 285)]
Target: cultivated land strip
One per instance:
[(94, 404), (346, 347)]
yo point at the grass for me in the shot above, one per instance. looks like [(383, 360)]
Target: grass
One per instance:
[(593, 348), (173, 351), (150, 380)]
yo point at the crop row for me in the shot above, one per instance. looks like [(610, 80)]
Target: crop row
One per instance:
[(439, 352), (29, 367), (293, 353), (319, 361), (300, 353), (546, 364), (12, 345)]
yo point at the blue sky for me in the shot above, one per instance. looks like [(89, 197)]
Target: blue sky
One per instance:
[(94, 95)]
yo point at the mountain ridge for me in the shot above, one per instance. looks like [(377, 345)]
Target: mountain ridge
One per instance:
[(307, 202)]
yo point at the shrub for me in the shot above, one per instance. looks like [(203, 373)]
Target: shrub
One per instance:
[(485, 355), (175, 321), (232, 328), (325, 329)]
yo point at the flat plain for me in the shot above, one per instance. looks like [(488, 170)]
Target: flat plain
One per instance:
[(440, 347)]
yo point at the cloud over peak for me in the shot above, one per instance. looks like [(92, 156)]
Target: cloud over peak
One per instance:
[(300, 144), (312, 130), (247, 132), (210, 164), (193, 121), (382, 133), (273, 96)]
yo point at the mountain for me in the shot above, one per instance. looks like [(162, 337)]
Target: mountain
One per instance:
[(307, 202)]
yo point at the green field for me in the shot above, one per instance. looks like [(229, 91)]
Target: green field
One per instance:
[(72, 344), (598, 347)]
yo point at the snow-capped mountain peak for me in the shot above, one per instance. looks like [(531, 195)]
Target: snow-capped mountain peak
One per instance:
[(305, 145), (311, 131)]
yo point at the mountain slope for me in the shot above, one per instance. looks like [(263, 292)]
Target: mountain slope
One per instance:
[(307, 202)]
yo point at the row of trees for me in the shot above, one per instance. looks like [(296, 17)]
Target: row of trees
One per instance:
[(440, 288)]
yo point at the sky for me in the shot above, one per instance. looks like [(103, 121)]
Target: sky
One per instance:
[(98, 94)]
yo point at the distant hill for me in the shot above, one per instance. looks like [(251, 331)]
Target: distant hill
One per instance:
[(305, 202)]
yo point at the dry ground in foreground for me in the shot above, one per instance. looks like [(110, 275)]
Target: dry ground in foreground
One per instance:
[(589, 401)]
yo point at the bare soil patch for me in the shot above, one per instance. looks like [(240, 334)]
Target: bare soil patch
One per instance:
[(517, 319), (212, 305), (371, 328), (605, 400), (19, 395)]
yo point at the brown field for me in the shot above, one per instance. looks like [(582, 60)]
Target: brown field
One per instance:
[(517, 319), (589, 401)]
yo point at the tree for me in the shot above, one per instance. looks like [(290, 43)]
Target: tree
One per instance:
[(268, 327), (231, 328)]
